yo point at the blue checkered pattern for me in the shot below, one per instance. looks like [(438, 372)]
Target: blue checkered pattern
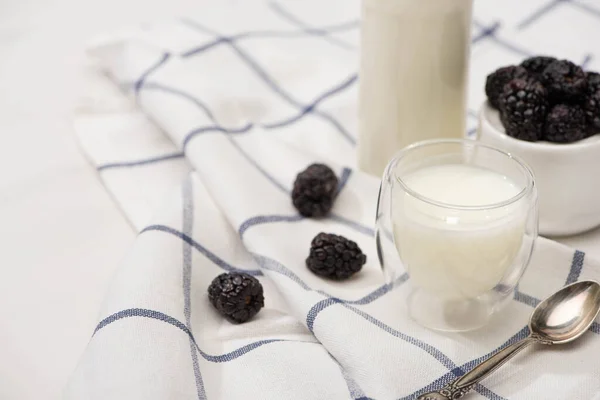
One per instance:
[(245, 96)]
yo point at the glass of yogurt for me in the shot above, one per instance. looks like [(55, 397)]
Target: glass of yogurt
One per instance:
[(460, 219)]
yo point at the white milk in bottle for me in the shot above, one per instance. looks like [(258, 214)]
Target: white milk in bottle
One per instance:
[(413, 75)]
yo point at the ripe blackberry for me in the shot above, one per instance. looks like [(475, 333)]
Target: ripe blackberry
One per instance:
[(591, 105), (565, 82), (237, 296), (593, 82), (314, 190), (565, 124), (523, 107), (495, 82), (334, 257), (536, 65)]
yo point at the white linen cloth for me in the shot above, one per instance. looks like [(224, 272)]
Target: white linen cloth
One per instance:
[(245, 96)]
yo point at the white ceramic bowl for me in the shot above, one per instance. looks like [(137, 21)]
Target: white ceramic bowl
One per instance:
[(567, 176)]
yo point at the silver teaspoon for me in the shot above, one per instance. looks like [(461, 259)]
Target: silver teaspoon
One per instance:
[(561, 318)]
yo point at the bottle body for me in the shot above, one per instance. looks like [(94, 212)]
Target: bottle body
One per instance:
[(413, 75)]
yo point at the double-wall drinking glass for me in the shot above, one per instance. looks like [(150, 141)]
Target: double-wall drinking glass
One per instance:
[(461, 219)]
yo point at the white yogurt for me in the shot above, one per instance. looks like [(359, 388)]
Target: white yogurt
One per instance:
[(458, 253), (414, 62)]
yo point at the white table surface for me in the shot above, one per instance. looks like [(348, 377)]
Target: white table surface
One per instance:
[(52, 278)]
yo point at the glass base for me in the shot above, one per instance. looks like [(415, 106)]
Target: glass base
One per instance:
[(460, 315)]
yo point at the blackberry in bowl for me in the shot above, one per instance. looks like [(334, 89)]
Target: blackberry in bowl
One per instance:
[(551, 119), (566, 82), (494, 84)]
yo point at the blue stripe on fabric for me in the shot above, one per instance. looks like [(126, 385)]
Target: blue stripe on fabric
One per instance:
[(354, 388), (503, 43), (586, 60), (343, 180), (277, 89), (546, 8), (331, 300), (136, 163), (576, 267), (595, 328), (429, 349), (140, 82), (488, 393), (256, 165), (211, 44), (441, 382), (275, 266), (311, 30), (485, 32), (178, 92), (585, 7), (188, 226), (374, 295), (240, 352), (458, 371), (263, 35), (247, 59), (141, 312), (520, 335), (352, 224), (344, 26), (316, 309), (262, 74), (526, 299), (204, 251), (435, 385), (210, 129), (369, 298), (152, 314), (216, 128), (347, 83), (266, 219)]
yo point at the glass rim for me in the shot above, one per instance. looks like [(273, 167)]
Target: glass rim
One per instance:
[(468, 142)]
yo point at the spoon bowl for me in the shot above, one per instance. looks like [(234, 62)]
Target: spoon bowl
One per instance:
[(567, 314)]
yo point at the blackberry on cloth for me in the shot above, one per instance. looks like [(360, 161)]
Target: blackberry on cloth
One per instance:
[(335, 257), (237, 296), (314, 190)]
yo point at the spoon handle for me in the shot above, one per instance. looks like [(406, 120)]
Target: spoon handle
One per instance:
[(461, 386)]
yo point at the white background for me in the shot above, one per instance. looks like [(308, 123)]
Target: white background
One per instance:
[(61, 236)]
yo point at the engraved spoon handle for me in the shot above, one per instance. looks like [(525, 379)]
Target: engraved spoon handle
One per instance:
[(462, 385)]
